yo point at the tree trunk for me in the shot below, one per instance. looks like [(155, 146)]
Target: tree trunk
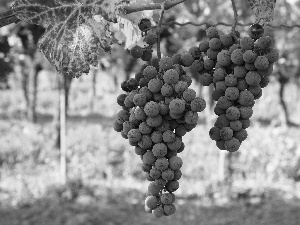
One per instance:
[(286, 119)]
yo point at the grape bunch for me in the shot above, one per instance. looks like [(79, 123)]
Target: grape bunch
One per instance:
[(238, 68), (158, 109)]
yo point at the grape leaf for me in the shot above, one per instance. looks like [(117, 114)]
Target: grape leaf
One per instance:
[(263, 10), (70, 24)]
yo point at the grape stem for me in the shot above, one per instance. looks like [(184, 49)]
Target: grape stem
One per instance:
[(158, 29), (235, 16), (138, 7)]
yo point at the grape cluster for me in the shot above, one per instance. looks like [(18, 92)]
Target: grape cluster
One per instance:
[(238, 68), (158, 109)]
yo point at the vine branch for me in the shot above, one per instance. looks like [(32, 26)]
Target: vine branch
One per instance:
[(235, 16), (158, 29), (137, 7), (7, 18)]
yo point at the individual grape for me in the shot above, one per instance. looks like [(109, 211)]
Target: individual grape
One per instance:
[(226, 40), (245, 112), (214, 133), (154, 121), (121, 99), (171, 76), (232, 93), (249, 56), (255, 31), (272, 55), (266, 72), (258, 95), (169, 136), (221, 86), (146, 167), (163, 108), (155, 173), (232, 145), (209, 64), (230, 80), (233, 113), (212, 32), (158, 212), (236, 125), (180, 87), (149, 158), (131, 95), (242, 84), (127, 126), (167, 90), (175, 163), (155, 85), (191, 117), (173, 124), (167, 174), (136, 51), (143, 82), (197, 66), (198, 104), (134, 120), (151, 202), (215, 43), (145, 142), (177, 175), (187, 59), (160, 183), (168, 100), (169, 209), (255, 90), (219, 74), (175, 145), (172, 185), (224, 58), (138, 76), (224, 103), (178, 69), (218, 111), (158, 97), (139, 100), (159, 150), (155, 63), (221, 144), (161, 163), (153, 189), (204, 46), (182, 147), (122, 116), (253, 78), (118, 127), (239, 71), (148, 177), (250, 66), (245, 123), (187, 79), (212, 54), (147, 55), (195, 52), (264, 82), (237, 57), (150, 38), (216, 95), (246, 98), (139, 151), (180, 130), (151, 109), (241, 135), (164, 126), (265, 42), (156, 137), (177, 105), (226, 133), (144, 128), (144, 24), (222, 121), (139, 113), (205, 79), (170, 154), (176, 58), (124, 135), (149, 72), (189, 95), (124, 86), (134, 135), (166, 198), (165, 63), (261, 63), (233, 47), (246, 43)]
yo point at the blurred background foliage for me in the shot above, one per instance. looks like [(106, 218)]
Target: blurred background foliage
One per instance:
[(259, 184)]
